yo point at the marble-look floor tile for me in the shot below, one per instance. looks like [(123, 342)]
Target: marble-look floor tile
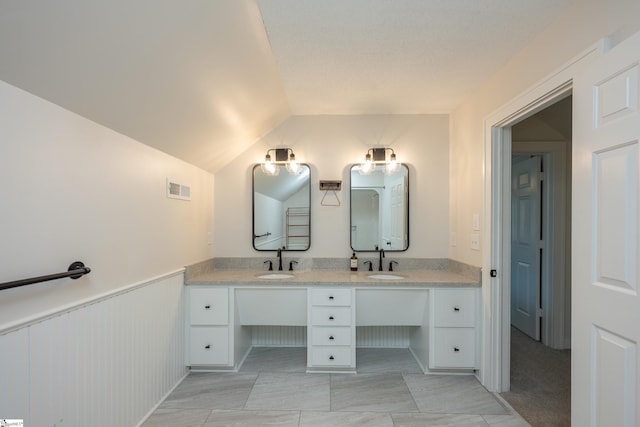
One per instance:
[(276, 359), (505, 421), (345, 419), (219, 418), (371, 392), (212, 391), (452, 394), (290, 391), (379, 360), (439, 420), (170, 417)]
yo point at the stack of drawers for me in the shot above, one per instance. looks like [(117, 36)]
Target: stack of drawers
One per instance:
[(331, 329), (208, 326), (453, 332)]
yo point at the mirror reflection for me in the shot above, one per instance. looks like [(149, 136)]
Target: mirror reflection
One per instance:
[(379, 209), (281, 217)]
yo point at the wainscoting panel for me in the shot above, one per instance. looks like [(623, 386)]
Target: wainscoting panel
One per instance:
[(14, 374), (106, 363), (383, 336)]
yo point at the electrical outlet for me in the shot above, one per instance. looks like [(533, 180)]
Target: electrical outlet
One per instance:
[(475, 242), (453, 239)]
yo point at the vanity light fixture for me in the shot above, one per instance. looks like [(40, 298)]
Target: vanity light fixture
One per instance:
[(284, 156), (378, 156)]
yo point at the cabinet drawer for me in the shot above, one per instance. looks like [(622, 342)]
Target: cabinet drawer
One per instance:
[(454, 348), (331, 297), (331, 316), (331, 356), (209, 345), (209, 306), (321, 335), (455, 307)]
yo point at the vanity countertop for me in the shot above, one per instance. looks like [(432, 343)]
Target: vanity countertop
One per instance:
[(410, 278)]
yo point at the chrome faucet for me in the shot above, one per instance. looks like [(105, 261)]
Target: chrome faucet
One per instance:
[(381, 255), (279, 259)]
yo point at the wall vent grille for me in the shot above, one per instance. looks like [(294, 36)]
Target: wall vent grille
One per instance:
[(176, 190)]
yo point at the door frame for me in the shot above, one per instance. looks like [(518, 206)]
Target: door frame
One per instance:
[(496, 255)]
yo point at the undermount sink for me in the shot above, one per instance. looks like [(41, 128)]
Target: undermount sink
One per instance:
[(385, 276), (275, 276)]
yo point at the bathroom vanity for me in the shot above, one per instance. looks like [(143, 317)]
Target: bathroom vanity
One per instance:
[(439, 308)]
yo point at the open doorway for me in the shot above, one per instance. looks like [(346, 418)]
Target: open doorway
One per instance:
[(540, 279)]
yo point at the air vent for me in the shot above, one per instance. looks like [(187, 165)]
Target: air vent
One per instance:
[(330, 185), (176, 190)]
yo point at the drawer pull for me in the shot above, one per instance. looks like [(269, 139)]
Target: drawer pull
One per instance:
[(331, 338), (207, 307), (330, 297), (207, 346), (456, 349), (330, 317), (331, 358), (456, 309)]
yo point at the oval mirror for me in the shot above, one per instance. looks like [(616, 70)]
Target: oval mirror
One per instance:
[(380, 209), (281, 210)]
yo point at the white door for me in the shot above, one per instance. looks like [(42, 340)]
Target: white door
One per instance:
[(605, 367), (525, 246), (398, 212)]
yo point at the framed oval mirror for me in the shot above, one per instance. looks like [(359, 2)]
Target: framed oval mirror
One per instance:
[(281, 209), (379, 209)]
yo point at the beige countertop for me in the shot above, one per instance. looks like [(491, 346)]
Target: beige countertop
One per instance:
[(410, 278)]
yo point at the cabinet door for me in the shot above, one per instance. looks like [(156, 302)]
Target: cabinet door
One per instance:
[(454, 348), (455, 307), (209, 345), (331, 316), (331, 356), (331, 297), (209, 306), (321, 335)]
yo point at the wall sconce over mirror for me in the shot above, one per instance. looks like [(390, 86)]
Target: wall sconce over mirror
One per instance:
[(281, 206), (378, 157), (283, 156), (379, 208)]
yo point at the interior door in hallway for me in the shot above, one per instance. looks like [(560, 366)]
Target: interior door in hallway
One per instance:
[(606, 307), (525, 246)]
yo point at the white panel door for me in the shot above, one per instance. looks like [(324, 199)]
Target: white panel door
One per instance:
[(605, 363), (525, 246), (398, 212)]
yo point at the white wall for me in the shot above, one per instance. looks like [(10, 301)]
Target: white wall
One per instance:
[(583, 24), (75, 190), (331, 144)]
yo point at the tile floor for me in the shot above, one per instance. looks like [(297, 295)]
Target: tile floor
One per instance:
[(273, 389)]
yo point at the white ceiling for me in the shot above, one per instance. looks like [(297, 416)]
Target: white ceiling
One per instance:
[(203, 80)]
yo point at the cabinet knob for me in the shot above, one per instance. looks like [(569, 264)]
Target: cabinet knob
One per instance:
[(330, 317), (207, 346), (456, 309), (207, 307), (331, 338), (331, 357), (331, 297), (456, 349)]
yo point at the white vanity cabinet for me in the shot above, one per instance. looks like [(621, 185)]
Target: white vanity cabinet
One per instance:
[(453, 333), (208, 328), (331, 329)]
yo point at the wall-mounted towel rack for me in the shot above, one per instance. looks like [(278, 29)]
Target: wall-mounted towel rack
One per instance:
[(75, 271)]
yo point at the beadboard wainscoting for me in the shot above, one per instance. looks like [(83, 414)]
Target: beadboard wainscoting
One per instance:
[(107, 362), (366, 336)]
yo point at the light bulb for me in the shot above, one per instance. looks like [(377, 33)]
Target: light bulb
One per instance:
[(292, 166)]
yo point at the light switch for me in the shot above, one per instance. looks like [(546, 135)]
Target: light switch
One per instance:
[(476, 221), (453, 239)]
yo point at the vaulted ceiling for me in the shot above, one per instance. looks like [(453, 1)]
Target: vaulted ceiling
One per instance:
[(203, 80)]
